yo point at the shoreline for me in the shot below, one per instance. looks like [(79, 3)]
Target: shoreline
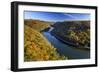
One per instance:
[(66, 42)]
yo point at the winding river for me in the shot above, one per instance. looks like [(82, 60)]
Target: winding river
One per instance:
[(66, 50)]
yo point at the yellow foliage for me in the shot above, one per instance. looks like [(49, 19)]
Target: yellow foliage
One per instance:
[(37, 48)]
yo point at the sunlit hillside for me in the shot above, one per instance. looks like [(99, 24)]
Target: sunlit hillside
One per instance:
[(37, 24), (37, 48)]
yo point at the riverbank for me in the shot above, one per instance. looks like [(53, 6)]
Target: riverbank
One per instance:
[(74, 33), (65, 49), (69, 43)]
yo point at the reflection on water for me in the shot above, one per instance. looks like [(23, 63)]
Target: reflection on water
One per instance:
[(72, 53)]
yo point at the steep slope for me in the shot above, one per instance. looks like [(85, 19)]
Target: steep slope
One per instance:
[(76, 33), (37, 48)]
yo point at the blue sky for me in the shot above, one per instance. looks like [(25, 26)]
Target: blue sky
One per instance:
[(54, 16)]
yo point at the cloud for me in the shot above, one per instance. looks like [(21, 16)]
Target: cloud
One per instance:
[(71, 16)]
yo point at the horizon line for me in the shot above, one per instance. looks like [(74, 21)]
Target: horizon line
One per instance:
[(59, 21)]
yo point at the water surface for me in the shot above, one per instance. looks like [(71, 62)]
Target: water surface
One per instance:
[(66, 50)]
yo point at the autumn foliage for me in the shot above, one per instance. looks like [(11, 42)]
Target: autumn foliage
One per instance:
[(37, 47)]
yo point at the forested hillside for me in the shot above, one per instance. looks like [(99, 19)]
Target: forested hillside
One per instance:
[(36, 46), (74, 32), (37, 24)]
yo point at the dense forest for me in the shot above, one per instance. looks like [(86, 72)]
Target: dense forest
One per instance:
[(36, 46), (76, 33)]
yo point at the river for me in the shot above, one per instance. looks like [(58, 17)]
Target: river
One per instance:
[(66, 50)]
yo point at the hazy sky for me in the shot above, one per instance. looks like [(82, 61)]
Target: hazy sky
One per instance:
[(55, 16)]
